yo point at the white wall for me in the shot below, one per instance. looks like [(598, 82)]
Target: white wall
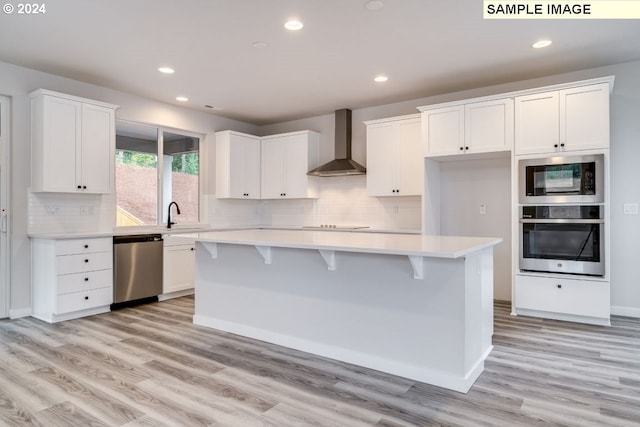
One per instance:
[(16, 83)]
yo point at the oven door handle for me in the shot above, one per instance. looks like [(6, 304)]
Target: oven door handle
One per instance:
[(561, 221)]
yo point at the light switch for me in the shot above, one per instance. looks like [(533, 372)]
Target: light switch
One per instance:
[(630, 209)]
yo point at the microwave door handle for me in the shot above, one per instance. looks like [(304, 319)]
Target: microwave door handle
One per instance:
[(561, 221)]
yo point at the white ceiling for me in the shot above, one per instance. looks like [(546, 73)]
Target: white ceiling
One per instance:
[(426, 47)]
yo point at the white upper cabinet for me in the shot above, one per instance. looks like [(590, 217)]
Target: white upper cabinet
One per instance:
[(394, 156), (468, 128), (563, 120), (286, 159), (237, 165), (72, 144)]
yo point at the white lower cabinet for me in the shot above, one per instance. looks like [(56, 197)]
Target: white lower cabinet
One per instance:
[(579, 300), (71, 277), (178, 264)]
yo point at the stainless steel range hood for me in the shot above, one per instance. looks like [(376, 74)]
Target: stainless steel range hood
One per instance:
[(343, 164)]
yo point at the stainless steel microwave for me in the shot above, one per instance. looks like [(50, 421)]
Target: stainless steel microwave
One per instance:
[(566, 179)]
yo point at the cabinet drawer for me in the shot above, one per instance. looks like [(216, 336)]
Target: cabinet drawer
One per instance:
[(84, 281), (76, 301), (80, 246), (566, 296), (68, 264)]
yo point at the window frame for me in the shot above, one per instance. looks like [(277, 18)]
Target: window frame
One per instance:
[(161, 206)]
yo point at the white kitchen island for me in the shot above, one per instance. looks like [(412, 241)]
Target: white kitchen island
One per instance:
[(412, 305)]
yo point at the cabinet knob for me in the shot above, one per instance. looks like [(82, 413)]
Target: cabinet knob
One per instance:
[(559, 286), (461, 148), (397, 190), (86, 298), (86, 246), (562, 145), (466, 148), (555, 145), (192, 249), (86, 260), (84, 187), (79, 187), (86, 279)]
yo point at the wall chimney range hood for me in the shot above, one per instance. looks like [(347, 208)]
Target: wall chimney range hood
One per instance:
[(343, 164)]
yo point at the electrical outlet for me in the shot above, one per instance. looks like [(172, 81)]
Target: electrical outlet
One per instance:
[(630, 209), (483, 209), (51, 210), (84, 210)]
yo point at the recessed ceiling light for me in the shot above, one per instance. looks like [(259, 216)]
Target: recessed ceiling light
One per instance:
[(259, 45), (374, 5), (541, 43), (166, 70), (182, 98), (293, 25), (380, 79)]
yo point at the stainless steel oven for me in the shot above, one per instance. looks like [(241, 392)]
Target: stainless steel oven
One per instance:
[(567, 179), (562, 239)]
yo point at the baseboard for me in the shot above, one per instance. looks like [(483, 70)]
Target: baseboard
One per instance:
[(19, 312), (617, 310), (176, 294)]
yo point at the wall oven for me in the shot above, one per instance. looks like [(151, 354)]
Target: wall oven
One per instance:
[(562, 239), (568, 179)]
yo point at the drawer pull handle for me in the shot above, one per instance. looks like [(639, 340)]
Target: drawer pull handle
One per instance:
[(559, 286), (86, 279), (86, 298), (86, 260)]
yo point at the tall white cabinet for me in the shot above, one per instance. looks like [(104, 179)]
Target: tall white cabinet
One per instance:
[(72, 144), (571, 119), (286, 159), (394, 156), (237, 165)]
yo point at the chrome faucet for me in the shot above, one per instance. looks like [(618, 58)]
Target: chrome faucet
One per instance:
[(169, 222)]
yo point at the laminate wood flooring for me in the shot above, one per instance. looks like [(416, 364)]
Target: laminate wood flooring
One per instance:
[(150, 366)]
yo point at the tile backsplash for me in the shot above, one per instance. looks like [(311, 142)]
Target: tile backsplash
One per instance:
[(341, 201), (344, 201), (62, 212)]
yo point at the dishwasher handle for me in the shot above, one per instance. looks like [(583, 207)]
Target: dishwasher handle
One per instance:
[(137, 238)]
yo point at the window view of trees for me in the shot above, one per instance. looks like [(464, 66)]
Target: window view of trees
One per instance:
[(143, 190)]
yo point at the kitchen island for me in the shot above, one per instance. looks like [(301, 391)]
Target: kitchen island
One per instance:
[(412, 305)]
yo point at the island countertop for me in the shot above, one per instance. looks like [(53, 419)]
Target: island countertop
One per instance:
[(379, 243)]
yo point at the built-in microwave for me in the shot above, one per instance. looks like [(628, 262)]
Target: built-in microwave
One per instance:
[(562, 239), (566, 179)]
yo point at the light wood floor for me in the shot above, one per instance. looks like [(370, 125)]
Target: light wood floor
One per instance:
[(150, 366)]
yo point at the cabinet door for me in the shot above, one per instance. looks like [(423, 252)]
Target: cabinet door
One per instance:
[(444, 131), (296, 165), (382, 159), (584, 117), (97, 149), (409, 170), (489, 126), (60, 143), (244, 167), (537, 123), (273, 168), (178, 266)]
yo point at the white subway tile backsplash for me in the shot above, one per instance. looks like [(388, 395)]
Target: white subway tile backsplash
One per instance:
[(60, 212)]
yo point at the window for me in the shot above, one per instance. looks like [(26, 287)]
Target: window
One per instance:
[(146, 182)]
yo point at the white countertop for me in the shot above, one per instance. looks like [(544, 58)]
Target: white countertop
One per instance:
[(381, 243)]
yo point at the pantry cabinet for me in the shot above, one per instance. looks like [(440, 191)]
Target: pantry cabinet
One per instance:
[(178, 264), (72, 144), (237, 165), (394, 156), (564, 120), (71, 277), (285, 161), (469, 128), (576, 299)]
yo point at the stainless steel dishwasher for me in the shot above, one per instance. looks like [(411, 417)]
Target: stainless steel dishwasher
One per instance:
[(137, 269)]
